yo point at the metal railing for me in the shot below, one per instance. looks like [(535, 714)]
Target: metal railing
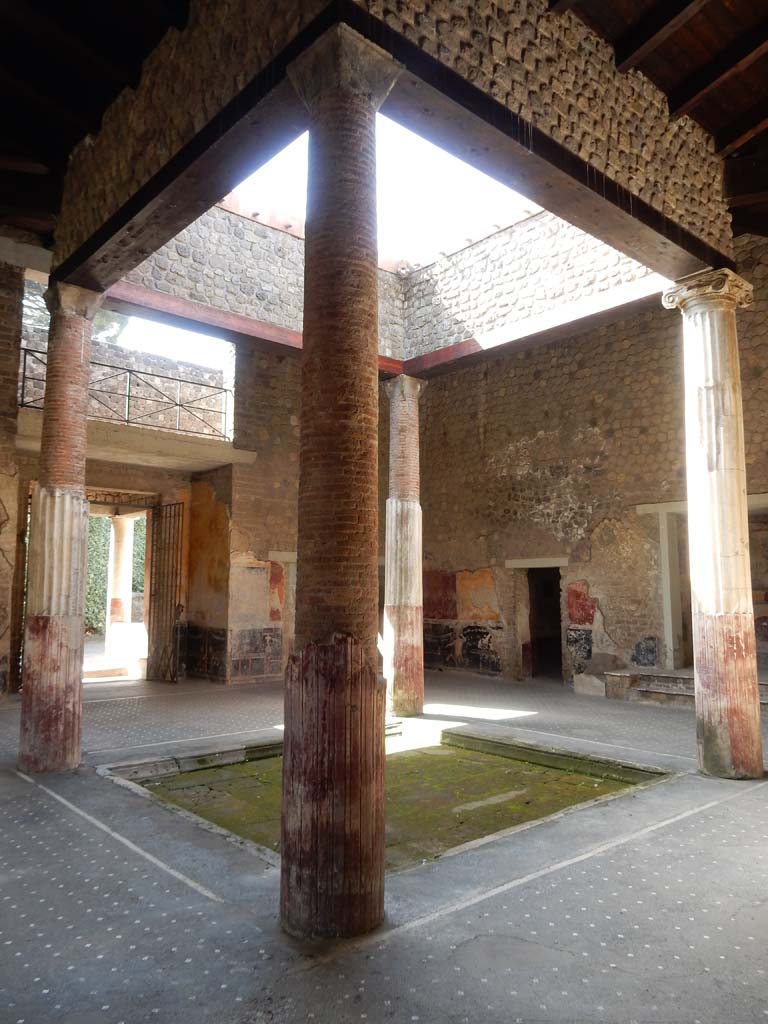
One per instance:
[(123, 395)]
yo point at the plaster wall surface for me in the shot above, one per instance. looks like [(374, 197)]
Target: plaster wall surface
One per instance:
[(548, 68)]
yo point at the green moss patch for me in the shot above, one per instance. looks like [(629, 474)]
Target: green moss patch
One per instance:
[(437, 798)]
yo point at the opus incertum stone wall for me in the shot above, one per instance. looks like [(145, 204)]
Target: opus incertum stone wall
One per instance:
[(528, 269), (231, 262), (547, 452), (234, 263), (550, 69)]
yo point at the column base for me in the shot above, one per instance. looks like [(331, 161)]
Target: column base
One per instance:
[(332, 849), (728, 726), (51, 698)]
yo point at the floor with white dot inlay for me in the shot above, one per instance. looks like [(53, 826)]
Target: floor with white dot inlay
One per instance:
[(650, 907)]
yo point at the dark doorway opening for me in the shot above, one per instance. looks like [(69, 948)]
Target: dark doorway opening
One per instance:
[(546, 632)]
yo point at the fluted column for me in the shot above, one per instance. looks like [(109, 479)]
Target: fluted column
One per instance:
[(53, 641), (333, 768), (727, 696), (403, 636)]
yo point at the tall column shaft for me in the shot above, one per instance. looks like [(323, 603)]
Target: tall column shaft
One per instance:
[(727, 696), (403, 602), (333, 770), (53, 642)]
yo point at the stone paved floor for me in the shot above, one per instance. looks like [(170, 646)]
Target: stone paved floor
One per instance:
[(650, 907)]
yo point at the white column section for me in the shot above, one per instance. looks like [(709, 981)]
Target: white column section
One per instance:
[(727, 697)]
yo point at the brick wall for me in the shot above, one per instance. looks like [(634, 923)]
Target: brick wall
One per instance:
[(548, 451), (550, 69)]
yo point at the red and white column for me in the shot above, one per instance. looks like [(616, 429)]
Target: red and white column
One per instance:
[(333, 768), (403, 631), (727, 696), (53, 641)]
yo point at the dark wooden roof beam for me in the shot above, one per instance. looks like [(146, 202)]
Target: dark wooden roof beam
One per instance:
[(746, 180), (745, 128), (746, 223), (561, 6), (29, 194), (53, 104), (662, 21), (737, 57)]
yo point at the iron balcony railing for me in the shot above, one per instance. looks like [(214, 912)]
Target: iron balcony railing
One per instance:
[(123, 395)]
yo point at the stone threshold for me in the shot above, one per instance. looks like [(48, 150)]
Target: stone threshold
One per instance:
[(658, 686)]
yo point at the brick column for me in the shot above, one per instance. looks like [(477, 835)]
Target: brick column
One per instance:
[(403, 605), (333, 775), (727, 698), (53, 643)]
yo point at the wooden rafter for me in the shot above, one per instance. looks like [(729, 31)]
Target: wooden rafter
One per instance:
[(745, 128), (735, 58), (746, 180), (560, 6), (664, 19)]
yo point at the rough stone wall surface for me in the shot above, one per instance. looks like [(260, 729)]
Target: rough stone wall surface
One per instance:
[(11, 290), (561, 77), (186, 80), (547, 452), (232, 262), (523, 271), (548, 68)]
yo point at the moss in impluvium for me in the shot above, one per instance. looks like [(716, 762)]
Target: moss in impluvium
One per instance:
[(437, 798)]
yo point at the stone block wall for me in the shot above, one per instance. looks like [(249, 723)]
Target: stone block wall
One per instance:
[(232, 262), (547, 452), (524, 271), (548, 68)]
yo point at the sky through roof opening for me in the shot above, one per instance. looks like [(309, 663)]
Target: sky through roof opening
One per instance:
[(429, 202)]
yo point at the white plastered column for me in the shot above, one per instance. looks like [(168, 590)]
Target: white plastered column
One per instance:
[(727, 696)]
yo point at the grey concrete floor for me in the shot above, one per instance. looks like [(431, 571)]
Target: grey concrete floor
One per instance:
[(649, 907)]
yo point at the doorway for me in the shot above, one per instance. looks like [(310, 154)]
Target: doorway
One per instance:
[(545, 625)]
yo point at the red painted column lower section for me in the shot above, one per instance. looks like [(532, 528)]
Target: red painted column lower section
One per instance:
[(51, 699), (332, 847), (333, 798)]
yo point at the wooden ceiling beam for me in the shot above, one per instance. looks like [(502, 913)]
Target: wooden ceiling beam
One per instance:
[(561, 6), (662, 21), (734, 59), (745, 181), (743, 129), (50, 103)]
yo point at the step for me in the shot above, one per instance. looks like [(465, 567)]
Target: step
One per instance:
[(659, 688)]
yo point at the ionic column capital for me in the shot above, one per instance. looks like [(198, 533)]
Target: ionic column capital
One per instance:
[(72, 300), (404, 387), (343, 61), (709, 289)]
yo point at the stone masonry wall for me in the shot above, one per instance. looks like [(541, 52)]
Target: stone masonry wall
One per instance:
[(546, 452), (232, 262), (525, 270), (548, 68)]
